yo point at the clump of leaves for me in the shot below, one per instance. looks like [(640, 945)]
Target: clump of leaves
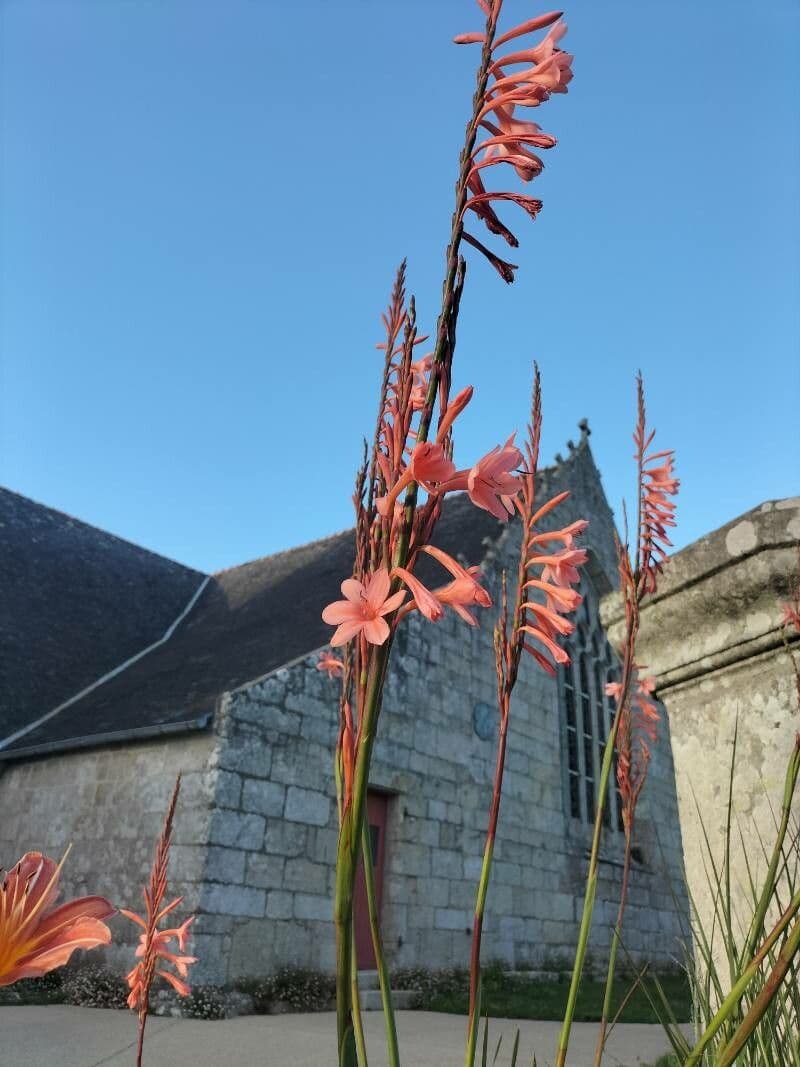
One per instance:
[(299, 988), (93, 987), (45, 990), (430, 984), (205, 1002)]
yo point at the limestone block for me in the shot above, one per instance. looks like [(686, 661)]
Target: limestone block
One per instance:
[(307, 806), (233, 900), (452, 919), (264, 871), (447, 863), (302, 874), (307, 906), (237, 829), (266, 798), (285, 838), (228, 789), (225, 864), (279, 905)]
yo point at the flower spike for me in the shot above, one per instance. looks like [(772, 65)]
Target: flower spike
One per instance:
[(154, 942), (547, 70)]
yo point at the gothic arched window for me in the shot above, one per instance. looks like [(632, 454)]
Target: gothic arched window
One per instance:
[(587, 713)]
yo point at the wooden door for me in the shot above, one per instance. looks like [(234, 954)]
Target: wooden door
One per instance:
[(376, 823)]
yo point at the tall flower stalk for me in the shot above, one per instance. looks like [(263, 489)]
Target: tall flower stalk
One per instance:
[(544, 595), (153, 951), (637, 731), (656, 483), (392, 527)]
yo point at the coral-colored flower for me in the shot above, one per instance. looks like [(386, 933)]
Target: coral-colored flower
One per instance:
[(560, 568), (155, 946), (566, 535), (523, 78), (490, 483), (637, 730), (428, 466), (425, 601), (656, 511), (465, 590), (463, 593), (332, 665), (419, 390), (791, 616), (363, 609), (35, 936), (153, 942)]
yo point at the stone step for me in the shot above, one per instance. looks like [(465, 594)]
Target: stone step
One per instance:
[(401, 998), (368, 980)]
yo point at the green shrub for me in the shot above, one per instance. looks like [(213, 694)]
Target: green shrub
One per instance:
[(45, 990), (430, 984), (204, 1002), (88, 986), (299, 988)]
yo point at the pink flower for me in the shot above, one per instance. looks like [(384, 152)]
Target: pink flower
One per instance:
[(35, 935), (153, 946), (560, 568), (363, 609), (566, 535), (424, 599), (559, 573), (463, 592), (491, 485), (332, 665), (427, 466), (420, 371), (791, 616)]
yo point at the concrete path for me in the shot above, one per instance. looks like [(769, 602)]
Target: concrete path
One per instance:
[(59, 1036)]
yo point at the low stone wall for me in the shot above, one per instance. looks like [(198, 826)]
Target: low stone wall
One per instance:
[(109, 804), (712, 636)]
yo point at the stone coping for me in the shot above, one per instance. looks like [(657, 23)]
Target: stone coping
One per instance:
[(718, 601)]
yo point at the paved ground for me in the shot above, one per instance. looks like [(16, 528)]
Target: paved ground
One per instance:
[(58, 1036)]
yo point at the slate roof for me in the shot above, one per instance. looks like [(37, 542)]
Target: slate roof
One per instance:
[(81, 607), (77, 602)]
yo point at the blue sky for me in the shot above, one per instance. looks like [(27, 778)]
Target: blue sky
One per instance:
[(203, 205)]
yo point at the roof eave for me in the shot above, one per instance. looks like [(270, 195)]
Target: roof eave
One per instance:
[(112, 737)]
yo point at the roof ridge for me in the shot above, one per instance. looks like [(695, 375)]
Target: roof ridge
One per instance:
[(101, 530)]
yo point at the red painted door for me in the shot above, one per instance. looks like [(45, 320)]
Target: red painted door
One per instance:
[(376, 822)]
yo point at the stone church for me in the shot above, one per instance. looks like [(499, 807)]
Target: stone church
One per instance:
[(121, 668)]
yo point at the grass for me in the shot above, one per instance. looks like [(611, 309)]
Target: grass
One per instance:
[(507, 997)]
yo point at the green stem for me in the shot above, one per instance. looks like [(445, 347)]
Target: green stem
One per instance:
[(612, 958), (352, 817), (480, 900), (731, 1002), (763, 1000), (594, 858), (358, 1023), (377, 946), (347, 856)]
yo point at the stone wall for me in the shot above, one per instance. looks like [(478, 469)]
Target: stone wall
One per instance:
[(109, 804), (712, 637), (272, 844)]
